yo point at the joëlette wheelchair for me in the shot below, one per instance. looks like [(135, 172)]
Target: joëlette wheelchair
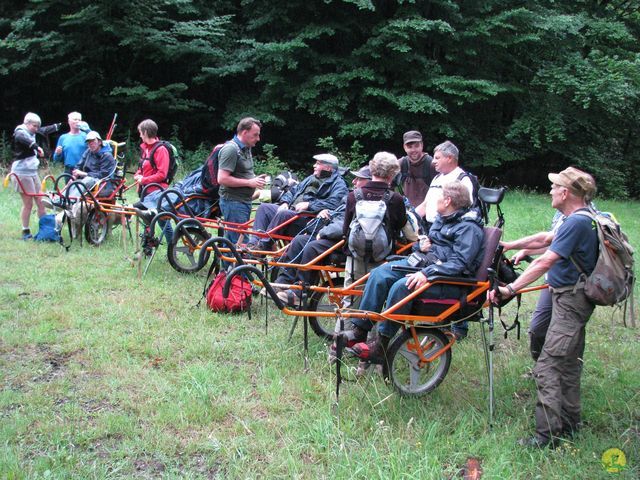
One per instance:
[(94, 204), (419, 356), (186, 251)]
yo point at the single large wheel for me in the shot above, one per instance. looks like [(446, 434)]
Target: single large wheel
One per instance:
[(97, 227), (324, 302), (183, 250), (412, 376)]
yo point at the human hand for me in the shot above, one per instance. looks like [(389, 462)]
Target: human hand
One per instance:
[(324, 214), (58, 149), (415, 280), (495, 295), (137, 178), (260, 181), (517, 258), (40, 152), (425, 243), (302, 206), (283, 206)]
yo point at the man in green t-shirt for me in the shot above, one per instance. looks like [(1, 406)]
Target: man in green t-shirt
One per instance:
[(237, 180)]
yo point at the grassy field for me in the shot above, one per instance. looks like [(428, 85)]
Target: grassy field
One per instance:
[(105, 376)]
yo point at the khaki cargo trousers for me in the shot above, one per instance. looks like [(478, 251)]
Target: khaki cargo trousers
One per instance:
[(559, 367)]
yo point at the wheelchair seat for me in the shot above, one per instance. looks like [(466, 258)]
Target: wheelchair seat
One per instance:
[(433, 307)]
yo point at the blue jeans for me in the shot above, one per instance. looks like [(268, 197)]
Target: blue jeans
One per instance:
[(384, 284), (234, 211)]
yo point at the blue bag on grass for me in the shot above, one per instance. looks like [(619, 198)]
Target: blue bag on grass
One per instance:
[(47, 231)]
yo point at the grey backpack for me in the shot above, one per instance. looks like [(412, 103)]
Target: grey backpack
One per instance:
[(369, 236)]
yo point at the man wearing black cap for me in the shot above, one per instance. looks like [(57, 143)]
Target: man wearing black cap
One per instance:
[(323, 190), (559, 367), (416, 170)]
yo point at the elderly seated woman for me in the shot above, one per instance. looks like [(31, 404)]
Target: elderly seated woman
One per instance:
[(454, 248)]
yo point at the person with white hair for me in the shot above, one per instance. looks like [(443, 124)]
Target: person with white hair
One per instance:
[(324, 189), (25, 167), (71, 146)]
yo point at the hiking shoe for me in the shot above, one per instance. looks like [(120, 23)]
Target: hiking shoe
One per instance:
[(354, 335), (373, 351), (145, 215), (289, 297), (27, 236)]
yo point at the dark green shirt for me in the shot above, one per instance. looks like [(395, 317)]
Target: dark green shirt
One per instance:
[(239, 162)]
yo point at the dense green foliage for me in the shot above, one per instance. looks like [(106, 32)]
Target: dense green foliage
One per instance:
[(526, 87)]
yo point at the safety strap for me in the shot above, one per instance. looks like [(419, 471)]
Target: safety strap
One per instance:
[(516, 321)]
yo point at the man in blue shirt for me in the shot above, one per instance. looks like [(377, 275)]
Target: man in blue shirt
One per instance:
[(559, 367), (71, 146)]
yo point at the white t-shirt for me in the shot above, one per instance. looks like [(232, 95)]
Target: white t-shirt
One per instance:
[(435, 191)]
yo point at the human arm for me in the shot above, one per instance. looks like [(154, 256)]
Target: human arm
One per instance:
[(463, 255), (107, 165), (348, 214), (538, 267), (535, 241), (161, 159), (397, 215), (332, 231), (422, 208), (526, 252), (226, 178), (58, 154)]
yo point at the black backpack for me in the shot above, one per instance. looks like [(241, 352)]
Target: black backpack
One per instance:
[(209, 177), (173, 158), (478, 205)]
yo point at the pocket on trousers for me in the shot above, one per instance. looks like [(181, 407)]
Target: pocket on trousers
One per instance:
[(559, 340)]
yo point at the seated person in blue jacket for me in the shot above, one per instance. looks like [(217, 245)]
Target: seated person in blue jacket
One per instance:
[(97, 163), (325, 189), (454, 248)]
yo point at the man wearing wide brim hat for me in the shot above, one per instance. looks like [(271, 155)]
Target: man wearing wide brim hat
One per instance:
[(558, 368), (324, 189)]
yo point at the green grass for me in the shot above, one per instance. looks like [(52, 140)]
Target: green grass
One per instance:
[(106, 376)]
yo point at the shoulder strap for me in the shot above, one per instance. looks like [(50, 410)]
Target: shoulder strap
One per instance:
[(404, 168), (152, 152)]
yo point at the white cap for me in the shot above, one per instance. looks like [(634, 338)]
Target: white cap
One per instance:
[(92, 135), (327, 159)]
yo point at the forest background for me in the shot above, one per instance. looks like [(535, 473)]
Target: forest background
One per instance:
[(522, 87)]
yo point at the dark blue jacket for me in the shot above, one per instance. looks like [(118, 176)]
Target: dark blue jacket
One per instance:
[(328, 196), (98, 165), (457, 241)]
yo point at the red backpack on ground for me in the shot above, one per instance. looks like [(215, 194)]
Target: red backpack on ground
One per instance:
[(239, 299)]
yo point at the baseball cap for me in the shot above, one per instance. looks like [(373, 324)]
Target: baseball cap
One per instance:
[(364, 172), (327, 159), (92, 135), (412, 136), (579, 182)]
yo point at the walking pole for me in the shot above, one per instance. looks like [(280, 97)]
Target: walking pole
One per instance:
[(493, 286)]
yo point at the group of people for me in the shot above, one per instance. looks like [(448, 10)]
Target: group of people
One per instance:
[(437, 189)]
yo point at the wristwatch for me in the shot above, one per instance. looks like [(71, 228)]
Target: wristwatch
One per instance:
[(511, 290)]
